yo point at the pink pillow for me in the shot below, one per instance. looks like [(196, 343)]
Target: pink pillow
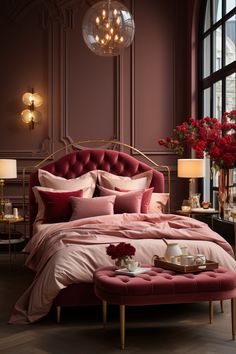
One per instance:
[(147, 194), (158, 202), (126, 202), (57, 205), (88, 207)]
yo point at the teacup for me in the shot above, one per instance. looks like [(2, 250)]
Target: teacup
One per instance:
[(200, 259), (132, 265), (187, 260)]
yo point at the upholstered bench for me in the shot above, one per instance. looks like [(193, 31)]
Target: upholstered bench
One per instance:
[(159, 286)]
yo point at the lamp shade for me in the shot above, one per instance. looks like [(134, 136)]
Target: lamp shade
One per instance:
[(191, 168), (8, 168)]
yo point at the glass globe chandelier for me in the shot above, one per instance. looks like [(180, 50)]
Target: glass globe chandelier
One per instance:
[(108, 28)]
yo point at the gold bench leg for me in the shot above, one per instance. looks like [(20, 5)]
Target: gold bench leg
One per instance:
[(211, 310), (222, 306), (58, 314), (122, 326), (104, 312), (233, 317)]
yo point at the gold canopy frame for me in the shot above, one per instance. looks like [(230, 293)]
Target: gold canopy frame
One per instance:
[(80, 145)]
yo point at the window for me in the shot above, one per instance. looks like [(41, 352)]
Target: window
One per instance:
[(218, 69)]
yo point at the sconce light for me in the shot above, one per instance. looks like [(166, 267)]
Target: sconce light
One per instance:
[(108, 28), (30, 115)]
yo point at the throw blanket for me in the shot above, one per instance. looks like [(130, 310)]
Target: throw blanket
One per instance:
[(66, 253)]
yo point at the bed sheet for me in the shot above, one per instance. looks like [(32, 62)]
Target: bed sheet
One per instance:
[(69, 253)]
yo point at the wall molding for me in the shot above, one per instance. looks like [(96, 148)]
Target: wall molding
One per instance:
[(65, 137)]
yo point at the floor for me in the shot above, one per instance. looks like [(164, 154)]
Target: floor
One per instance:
[(176, 329)]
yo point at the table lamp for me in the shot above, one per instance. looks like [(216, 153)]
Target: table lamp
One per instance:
[(191, 169), (7, 171)]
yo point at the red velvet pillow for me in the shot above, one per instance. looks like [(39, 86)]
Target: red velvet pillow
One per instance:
[(57, 205), (146, 199)]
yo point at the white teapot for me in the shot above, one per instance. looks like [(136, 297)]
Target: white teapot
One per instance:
[(173, 250)]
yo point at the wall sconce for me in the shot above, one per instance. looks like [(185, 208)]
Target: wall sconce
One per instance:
[(30, 115)]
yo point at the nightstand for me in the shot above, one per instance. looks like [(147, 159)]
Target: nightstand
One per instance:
[(9, 229)]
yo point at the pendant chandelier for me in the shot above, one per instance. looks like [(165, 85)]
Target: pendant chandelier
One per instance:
[(108, 28)]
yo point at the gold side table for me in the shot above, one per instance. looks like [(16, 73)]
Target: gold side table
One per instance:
[(10, 223)]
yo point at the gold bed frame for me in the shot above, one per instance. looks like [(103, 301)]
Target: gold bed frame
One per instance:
[(77, 146)]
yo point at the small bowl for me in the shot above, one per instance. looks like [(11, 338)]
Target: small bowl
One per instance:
[(206, 205)]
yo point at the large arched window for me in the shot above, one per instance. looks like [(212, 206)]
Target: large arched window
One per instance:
[(218, 68)]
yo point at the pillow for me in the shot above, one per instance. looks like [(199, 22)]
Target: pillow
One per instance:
[(137, 182), (87, 180), (147, 194), (125, 202), (88, 207), (41, 208), (158, 202), (57, 205)]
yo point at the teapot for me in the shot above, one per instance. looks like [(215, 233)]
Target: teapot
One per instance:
[(173, 250)]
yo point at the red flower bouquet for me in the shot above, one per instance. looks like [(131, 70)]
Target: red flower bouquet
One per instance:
[(207, 135), (122, 250)]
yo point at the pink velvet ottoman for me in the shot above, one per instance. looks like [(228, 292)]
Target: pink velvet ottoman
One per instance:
[(159, 286)]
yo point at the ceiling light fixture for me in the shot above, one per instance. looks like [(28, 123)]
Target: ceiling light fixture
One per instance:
[(108, 28)]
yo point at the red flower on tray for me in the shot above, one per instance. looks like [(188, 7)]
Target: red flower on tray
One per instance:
[(122, 250)]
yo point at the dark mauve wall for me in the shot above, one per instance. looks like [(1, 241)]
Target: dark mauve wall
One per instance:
[(137, 98)]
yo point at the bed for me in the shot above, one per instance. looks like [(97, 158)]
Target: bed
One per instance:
[(122, 200)]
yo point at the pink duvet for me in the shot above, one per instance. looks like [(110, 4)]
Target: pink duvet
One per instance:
[(67, 253)]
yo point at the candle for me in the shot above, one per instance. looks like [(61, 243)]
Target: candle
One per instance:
[(185, 208)]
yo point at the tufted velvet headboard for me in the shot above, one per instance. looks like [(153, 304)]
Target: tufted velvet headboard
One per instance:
[(79, 162)]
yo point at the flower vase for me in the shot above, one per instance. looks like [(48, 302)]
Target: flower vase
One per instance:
[(225, 185), (121, 262)]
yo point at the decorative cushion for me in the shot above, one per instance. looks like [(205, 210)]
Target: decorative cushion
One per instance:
[(125, 202), (57, 205), (158, 202), (137, 182), (87, 180), (147, 194), (40, 214), (88, 207)]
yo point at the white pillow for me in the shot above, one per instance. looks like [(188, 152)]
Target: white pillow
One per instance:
[(137, 182), (87, 182), (158, 202)]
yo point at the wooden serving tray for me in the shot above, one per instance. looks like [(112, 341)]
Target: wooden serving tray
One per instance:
[(160, 262)]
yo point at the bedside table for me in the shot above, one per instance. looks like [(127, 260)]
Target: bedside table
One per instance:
[(9, 228), (201, 212)]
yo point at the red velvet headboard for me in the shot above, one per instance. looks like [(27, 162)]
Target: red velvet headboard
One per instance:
[(79, 162)]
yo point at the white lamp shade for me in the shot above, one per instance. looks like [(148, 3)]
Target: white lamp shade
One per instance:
[(8, 168), (191, 168)]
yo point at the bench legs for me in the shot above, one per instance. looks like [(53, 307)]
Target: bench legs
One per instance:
[(122, 326), (122, 321), (122, 318), (211, 311), (104, 312)]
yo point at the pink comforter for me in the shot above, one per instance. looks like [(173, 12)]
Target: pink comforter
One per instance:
[(68, 253)]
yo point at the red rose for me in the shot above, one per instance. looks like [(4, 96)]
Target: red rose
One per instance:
[(121, 250)]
